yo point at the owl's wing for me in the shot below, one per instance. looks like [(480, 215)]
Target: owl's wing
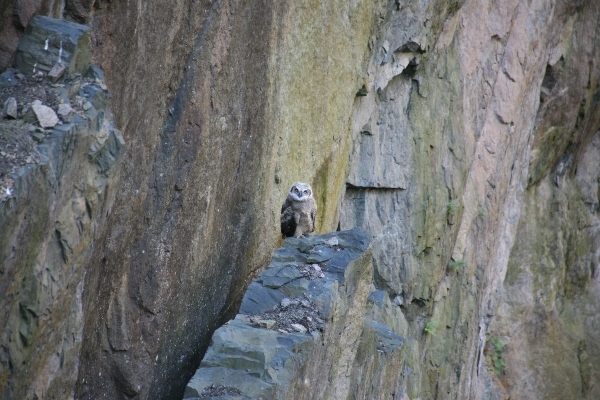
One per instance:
[(286, 205), (288, 224)]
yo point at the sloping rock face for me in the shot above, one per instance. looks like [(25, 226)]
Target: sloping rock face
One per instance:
[(351, 349), (53, 199), (469, 170), (460, 133)]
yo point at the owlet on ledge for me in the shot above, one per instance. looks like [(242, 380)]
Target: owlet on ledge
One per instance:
[(298, 211)]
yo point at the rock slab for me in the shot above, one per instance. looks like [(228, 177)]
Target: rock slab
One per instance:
[(276, 364), (50, 41)]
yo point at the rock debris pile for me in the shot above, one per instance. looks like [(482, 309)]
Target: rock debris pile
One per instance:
[(291, 315), (37, 101), (217, 391)]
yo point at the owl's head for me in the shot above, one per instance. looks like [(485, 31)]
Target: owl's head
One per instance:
[(300, 191)]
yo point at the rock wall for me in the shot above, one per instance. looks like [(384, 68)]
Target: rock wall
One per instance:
[(54, 198), (484, 224), (460, 133)]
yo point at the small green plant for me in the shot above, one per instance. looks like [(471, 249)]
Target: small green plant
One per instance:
[(481, 211), (455, 265), (453, 207), (496, 356), (430, 327)]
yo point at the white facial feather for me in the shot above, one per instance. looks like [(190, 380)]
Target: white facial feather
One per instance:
[(300, 191)]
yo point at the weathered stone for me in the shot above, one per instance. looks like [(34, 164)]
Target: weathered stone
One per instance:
[(259, 299), (332, 242), (23, 11), (181, 68), (466, 93), (45, 115), (86, 106), (263, 323), (39, 137), (285, 302), (79, 10), (382, 158), (95, 73), (8, 78), (57, 71), (10, 108), (505, 149), (50, 41), (117, 324), (64, 109), (299, 328)]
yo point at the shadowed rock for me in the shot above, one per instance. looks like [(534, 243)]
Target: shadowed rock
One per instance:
[(50, 41)]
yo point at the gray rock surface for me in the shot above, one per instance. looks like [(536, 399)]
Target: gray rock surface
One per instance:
[(10, 108), (50, 41), (8, 78), (57, 198), (276, 364), (474, 232), (65, 109)]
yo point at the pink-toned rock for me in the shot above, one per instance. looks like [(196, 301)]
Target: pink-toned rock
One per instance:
[(45, 115)]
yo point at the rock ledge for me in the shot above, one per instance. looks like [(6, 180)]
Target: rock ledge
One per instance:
[(317, 354)]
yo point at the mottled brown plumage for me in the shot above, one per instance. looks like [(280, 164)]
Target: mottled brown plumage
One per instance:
[(298, 212)]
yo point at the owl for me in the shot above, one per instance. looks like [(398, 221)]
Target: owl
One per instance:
[(298, 212)]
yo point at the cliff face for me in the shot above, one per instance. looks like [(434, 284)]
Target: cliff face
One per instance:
[(484, 223), (53, 200), (462, 134), (225, 108)]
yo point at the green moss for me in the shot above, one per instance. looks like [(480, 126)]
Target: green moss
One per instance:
[(430, 327), (549, 146), (453, 207), (496, 357), (456, 265)]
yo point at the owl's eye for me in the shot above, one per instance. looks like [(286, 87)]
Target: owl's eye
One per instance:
[(306, 192), (296, 190)]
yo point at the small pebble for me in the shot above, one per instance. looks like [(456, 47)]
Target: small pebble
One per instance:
[(333, 242), (286, 302), (300, 328)]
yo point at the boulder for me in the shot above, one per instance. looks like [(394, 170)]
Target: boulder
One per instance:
[(49, 42), (65, 109), (10, 108), (8, 78), (45, 115)]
